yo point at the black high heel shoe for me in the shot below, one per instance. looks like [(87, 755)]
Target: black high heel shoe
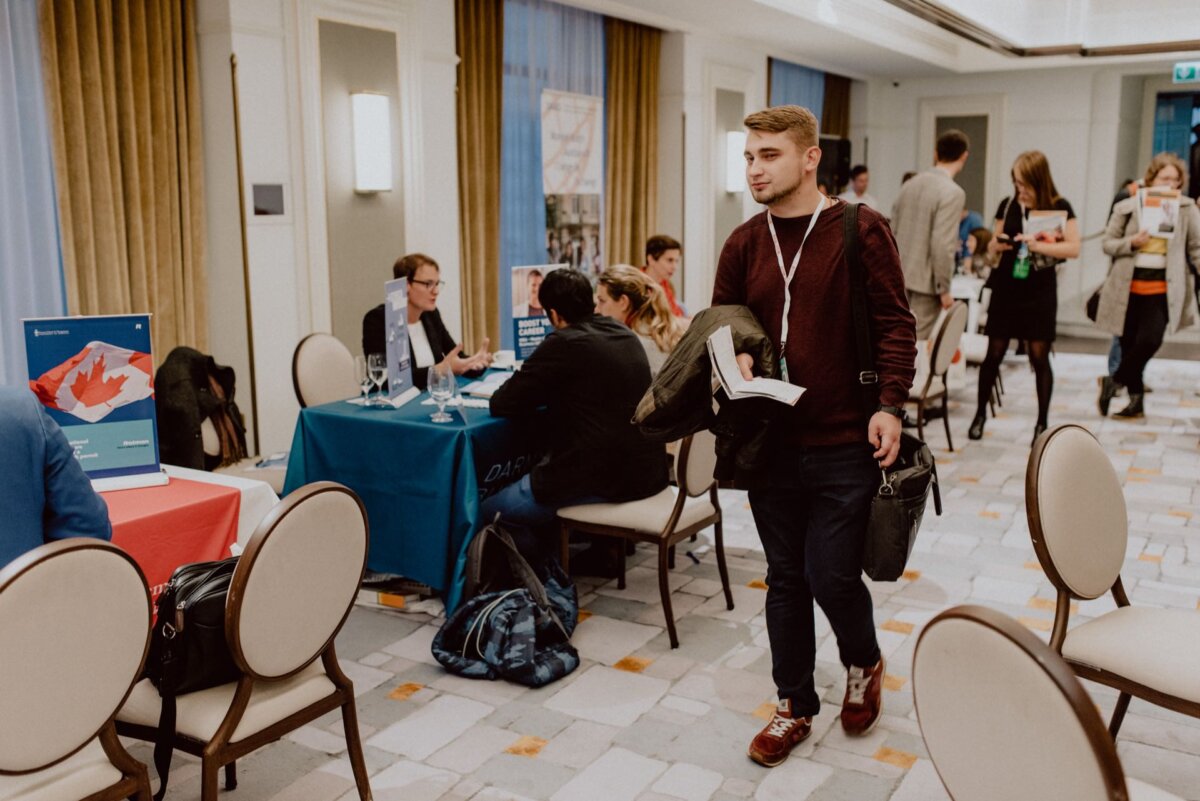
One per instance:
[(976, 429), (1037, 432)]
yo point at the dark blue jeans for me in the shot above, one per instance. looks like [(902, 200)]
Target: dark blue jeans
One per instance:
[(811, 518), (531, 522)]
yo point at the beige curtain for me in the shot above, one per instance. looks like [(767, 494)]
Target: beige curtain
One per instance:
[(835, 115), (631, 190), (122, 83), (479, 35)]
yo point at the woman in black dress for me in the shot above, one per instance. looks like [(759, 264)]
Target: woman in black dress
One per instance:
[(1024, 285)]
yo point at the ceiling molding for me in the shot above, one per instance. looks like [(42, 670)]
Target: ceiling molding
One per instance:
[(961, 26)]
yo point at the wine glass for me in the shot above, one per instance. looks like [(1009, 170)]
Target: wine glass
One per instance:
[(364, 377), (377, 369), (441, 387)]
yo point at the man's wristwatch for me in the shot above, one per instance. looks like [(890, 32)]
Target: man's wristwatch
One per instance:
[(895, 411)]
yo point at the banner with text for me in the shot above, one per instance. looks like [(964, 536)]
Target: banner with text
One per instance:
[(95, 376), (573, 179), (395, 315), (530, 323)]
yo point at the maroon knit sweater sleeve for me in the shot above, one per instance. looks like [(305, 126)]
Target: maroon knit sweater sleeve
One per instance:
[(892, 325)]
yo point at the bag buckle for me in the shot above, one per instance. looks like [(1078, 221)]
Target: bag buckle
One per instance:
[(868, 377), (885, 487)]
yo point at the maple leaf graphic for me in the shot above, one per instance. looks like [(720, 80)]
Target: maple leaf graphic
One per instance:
[(91, 389)]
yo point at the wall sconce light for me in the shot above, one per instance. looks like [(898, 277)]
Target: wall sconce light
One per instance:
[(372, 129), (735, 161)]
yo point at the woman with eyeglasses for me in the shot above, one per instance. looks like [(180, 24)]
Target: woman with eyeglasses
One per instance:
[(1024, 286), (429, 343)]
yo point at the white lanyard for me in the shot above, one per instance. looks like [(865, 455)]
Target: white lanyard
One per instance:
[(788, 275)]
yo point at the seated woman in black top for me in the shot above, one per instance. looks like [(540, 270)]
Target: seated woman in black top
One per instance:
[(429, 343)]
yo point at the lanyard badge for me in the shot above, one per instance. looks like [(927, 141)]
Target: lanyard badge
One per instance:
[(788, 275)]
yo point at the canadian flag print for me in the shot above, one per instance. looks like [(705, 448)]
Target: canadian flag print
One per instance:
[(95, 381)]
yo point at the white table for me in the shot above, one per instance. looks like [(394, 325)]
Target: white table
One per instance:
[(257, 496)]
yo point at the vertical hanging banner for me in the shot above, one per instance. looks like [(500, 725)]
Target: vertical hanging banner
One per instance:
[(95, 376), (573, 179)]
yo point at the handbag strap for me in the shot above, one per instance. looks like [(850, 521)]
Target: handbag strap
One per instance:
[(868, 378), (528, 577)]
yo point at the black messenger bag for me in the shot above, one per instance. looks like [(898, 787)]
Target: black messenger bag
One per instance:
[(899, 503)]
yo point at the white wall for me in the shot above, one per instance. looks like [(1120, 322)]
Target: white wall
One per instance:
[(279, 93)]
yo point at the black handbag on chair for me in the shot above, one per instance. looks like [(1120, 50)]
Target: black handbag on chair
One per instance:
[(899, 503), (188, 649)]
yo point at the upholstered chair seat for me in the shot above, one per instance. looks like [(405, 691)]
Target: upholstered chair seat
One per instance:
[(662, 520)]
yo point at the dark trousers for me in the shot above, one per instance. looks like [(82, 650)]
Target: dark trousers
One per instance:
[(811, 518), (1145, 325)]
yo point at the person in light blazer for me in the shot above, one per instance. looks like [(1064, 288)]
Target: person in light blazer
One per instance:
[(1150, 289)]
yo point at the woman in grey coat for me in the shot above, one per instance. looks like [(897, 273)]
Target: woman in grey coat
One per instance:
[(1149, 289)]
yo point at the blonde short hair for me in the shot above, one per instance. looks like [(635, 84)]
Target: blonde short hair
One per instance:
[(1166, 160), (798, 121)]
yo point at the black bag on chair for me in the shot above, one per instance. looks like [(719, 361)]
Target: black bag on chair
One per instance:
[(899, 503), (188, 649)]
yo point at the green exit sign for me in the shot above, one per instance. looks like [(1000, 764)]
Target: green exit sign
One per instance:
[(1187, 72)]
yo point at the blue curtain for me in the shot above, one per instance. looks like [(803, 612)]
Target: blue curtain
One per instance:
[(546, 46), (31, 274), (792, 84)]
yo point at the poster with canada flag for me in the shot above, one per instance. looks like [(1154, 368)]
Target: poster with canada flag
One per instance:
[(95, 376)]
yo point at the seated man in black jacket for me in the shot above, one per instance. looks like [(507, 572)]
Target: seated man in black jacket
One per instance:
[(588, 375), (428, 343)]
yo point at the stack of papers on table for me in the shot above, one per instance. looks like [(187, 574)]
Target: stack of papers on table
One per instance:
[(487, 386), (724, 361)]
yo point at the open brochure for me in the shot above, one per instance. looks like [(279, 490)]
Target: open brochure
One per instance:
[(1048, 225), (1159, 210), (724, 361)]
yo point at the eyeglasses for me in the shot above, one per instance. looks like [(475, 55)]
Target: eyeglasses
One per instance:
[(430, 285)]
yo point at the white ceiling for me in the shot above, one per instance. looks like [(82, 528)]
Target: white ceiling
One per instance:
[(873, 38)]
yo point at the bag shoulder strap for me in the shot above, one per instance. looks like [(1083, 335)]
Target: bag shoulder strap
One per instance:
[(868, 379)]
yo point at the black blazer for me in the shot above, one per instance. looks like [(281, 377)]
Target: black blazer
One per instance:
[(374, 340)]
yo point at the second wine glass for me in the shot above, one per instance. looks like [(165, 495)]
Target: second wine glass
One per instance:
[(377, 368), (441, 387)]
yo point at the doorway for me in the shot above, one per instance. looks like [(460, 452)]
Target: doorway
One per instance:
[(1177, 130), (973, 177)]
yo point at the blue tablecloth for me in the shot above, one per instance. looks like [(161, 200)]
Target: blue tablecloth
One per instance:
[(420, 481)]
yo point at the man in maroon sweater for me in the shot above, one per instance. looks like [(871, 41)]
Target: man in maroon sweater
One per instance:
[(788, 266)]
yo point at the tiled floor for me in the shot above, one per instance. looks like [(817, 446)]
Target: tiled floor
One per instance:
[(640, 722)]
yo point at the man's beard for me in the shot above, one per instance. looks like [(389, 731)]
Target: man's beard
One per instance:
[(775, 197)]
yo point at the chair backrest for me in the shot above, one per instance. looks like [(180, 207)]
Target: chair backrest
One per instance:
[(296, 581), (695, 461), (323, 371), (74, 629), (1076, 511), (1004, 717), (953, 324)]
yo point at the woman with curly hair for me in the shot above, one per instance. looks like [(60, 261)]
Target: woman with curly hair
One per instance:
[(627, 294)]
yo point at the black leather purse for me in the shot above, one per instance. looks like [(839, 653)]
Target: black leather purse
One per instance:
[(899, 503), (188, 649)]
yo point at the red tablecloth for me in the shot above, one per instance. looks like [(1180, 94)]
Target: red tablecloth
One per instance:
[(172, 525)]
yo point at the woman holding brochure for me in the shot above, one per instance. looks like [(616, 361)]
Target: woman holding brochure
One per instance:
[(1151, 237), (627, 294), (429, 342), (1035, 231)]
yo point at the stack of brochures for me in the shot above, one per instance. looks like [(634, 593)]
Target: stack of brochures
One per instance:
[(487, 386), (736, 386)]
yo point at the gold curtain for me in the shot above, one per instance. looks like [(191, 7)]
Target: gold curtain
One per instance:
[(631, 192), (479, 37), (835, 115), (122, 84)]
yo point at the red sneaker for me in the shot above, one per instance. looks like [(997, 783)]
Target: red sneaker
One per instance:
[(864, 699), (781, 735)]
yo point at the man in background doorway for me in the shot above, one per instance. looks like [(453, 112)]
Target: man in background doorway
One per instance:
[(856, 191), (663, 255), (925, 220)]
